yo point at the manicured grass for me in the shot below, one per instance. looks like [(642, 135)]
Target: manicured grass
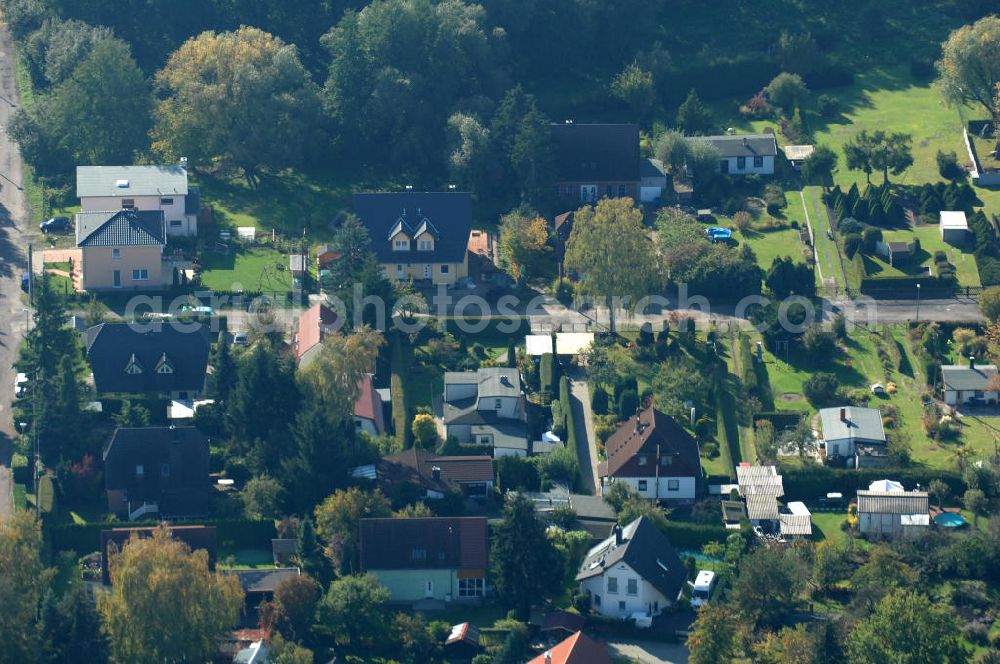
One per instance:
[(930, 242), (827, 256), (246, 559), (250, 269), (774, 244), (480, 616), (20, 498), (826, 526)]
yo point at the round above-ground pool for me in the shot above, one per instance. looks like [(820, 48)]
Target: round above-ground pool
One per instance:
[(950, 520)]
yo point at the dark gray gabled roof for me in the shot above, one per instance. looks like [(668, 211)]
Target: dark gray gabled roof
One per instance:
[(857, 423), (957, 377), (646, 550), (111, 347), (745, 145), (445, 215), (596, 152), (174, 463), (120, 228)]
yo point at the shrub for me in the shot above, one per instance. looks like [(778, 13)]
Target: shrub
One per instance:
[(869, 239), (628, 401), (548, 374), (850, 226), (852, 243), (774, 197), (828, 106), (599, 401), (921, 67), (645, 338), (562, 290), (742, 220), (710, 450), (820, 388), (558, 418), (948, 165)]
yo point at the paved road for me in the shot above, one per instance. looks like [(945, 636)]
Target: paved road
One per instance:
[(586, 441), (649, 652), (12, 262)]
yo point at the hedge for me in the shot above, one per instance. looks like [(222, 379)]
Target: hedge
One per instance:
[(781, 420), (815, 482), (400, 417), (231, 534), (907, 285), (686, 535), (564, 393), (549, 373)]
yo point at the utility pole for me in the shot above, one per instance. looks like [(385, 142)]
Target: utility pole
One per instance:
[(918, 303)]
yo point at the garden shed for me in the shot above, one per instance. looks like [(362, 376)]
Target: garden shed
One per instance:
[(954, 227)]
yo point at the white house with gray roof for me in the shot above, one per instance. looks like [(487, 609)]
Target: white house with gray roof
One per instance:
[(745, 154), (854, 435), (972, 384), (161, 188), (486, 407)]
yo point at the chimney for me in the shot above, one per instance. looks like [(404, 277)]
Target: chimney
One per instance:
[(548, 657), (843, 414), (184, 163), (972, 362), (746, 142), (436, 473), (618, 535)]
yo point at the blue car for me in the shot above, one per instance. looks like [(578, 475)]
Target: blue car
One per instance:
[(54, 224), (25, 281)]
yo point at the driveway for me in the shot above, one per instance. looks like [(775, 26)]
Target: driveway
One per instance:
[(649, 652), (13, 262), (586, 441)]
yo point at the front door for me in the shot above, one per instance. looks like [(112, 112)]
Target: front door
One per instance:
[(588, 193), (427, 272), (724, 166), (429, 588), (117, 278)]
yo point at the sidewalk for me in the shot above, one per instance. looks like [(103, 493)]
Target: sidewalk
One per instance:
[(586, 441)]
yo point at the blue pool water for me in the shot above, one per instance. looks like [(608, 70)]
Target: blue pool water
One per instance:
[(950, 520)]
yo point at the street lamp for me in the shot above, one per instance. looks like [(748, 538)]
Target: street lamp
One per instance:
[(918, 303)]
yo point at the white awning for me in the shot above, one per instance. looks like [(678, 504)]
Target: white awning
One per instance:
[(573, 343), (537, 344)]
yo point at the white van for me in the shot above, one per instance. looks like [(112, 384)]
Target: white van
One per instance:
[(21, 385), (702, 589)]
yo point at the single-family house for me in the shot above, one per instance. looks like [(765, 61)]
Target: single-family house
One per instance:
[(157, 470), (635, 570), (369, 409), (892, 513), (655, 457), (854, 434), (437, 558), (487, 407), (149, 358), (745, 154), (954, 227), (419, 236), (974, 384), (433, 475), (149, 188), (315, 324), (577, 648), (593, 514), (258, 587), (197, 538), (594, 161), (121, 249)]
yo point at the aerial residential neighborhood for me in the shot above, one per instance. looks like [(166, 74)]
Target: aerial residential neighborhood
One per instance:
[(444, 332)]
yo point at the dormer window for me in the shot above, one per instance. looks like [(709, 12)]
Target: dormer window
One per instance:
[(643, 460), (425, 245), (401, 244), (164, 366), (133, 368), (139, 470)]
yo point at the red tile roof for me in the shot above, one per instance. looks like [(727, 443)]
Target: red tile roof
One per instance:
[(369, 404), (577, 649), (479, 243), (648, 432), (312, 324), (416, 465)]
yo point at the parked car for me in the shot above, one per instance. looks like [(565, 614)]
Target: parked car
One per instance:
[(702, 587), (21, 385), (54, 224), (642, 620), (240, 339), (25, 281), (197, 311)]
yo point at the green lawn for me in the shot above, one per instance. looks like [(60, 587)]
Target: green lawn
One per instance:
[(20, 498), (827, 256), (773, 244), (826, 526), (250, 269), (246, 559), (930, 242)]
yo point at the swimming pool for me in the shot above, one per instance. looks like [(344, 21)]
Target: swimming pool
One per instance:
[(950, 520)]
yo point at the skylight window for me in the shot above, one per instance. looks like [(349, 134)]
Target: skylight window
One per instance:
[(121, 184)]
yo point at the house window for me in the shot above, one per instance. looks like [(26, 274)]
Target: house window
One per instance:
[(166, 201), (128, 203), (608, 190), (358, 424), (622, 190), (444, 269), (643, 459), (165, 469), (427, 272), (758, 162), (632, 587), (116, 278), (139, 470), (175, 223), (133, 368), (400, 245), (418, 554), (741, 163), (673, 485), (612, 585), (484, 440), (471, 587), (497, 404), (621, 606), (140, 275), (116, 253), (724, 166), (643, 484), (400, 271), (666, 460), (164, 366), (426, 245)]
